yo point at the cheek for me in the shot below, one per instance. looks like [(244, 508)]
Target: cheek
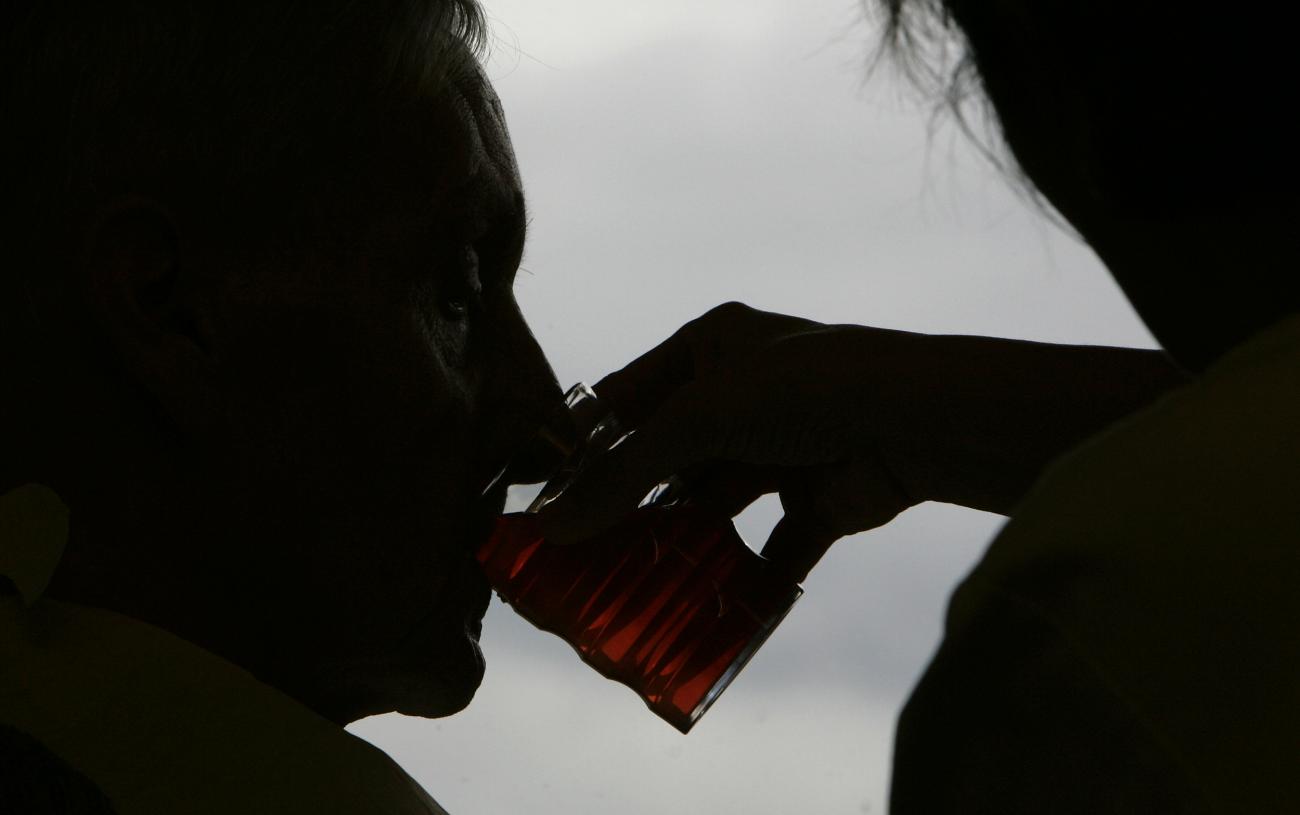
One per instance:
[(404, 417), (365, 445), (354, 409)]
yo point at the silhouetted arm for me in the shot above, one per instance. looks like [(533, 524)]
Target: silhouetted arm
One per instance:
[(985, 416), (849, 424)]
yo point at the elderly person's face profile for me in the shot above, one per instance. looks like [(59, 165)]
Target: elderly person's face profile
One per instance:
[(340, 407)]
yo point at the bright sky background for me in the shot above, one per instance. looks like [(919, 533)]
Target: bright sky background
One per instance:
[(678, 154)]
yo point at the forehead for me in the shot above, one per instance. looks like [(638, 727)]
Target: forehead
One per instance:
[(443, 154), (481, 110), (479, 161)]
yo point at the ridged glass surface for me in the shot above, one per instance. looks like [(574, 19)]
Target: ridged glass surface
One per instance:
[(671, 603)]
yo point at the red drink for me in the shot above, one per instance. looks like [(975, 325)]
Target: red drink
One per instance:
[(671, 603)]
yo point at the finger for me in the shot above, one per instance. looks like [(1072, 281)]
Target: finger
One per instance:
[(712, 342), (638, 389), (610, 488), (796, 544), (680, 435), (544, 452), (728, 488)]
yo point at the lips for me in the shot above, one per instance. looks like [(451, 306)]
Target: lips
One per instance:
[(472, 585), (483, 515), (478, 597)]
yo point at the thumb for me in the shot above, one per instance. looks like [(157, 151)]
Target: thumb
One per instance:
[(614, 483), (796, 544), (610, 487), (826, 503)]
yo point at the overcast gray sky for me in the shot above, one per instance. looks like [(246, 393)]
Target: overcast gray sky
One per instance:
[(677, 154)]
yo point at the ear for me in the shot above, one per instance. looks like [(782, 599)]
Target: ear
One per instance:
[(148, 305)]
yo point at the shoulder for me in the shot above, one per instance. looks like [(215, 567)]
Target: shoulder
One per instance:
[(1141, 602), (1197, 496), (34, 780), (1010, 719)]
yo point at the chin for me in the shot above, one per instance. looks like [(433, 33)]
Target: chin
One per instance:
[(430, 687), (439, 687), (434, 671)]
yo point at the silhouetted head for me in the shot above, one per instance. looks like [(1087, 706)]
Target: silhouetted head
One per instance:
[(1163, 131), (258, 315)]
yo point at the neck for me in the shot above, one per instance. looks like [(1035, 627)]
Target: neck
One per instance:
[(165, 548), (1204, 286)]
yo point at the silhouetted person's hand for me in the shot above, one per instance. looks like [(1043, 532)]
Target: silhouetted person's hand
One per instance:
[(850, 425)]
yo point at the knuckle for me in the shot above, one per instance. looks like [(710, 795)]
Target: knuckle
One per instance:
[(728, 312), (708, 334)]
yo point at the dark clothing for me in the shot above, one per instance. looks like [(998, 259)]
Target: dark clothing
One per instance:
[(101, 713), (1128, 644), (34, 781)]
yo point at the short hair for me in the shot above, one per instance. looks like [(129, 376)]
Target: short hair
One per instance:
[(1188, 102), (249, 109)]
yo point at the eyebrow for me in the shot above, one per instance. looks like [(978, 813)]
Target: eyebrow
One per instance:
[(520, 205), (494, 204)]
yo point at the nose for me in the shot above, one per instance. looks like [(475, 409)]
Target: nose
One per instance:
[(521, 395)]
